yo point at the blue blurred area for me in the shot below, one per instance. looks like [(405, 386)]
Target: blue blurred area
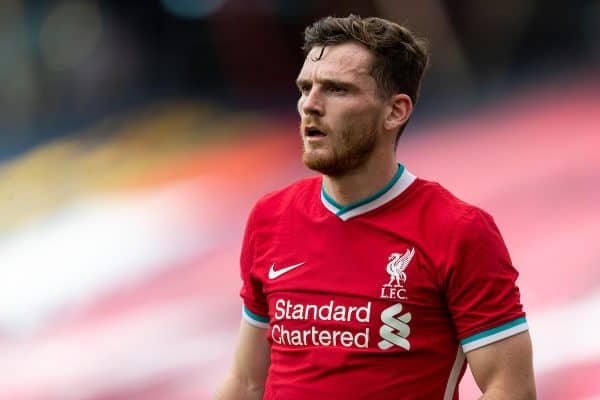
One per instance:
[(69, 63)]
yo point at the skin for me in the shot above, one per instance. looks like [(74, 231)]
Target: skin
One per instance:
[(246, 380), (504, 370), (357, 158), (338, 96)]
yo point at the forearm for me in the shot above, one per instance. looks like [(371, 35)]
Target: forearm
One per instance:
[(237, 389), (501, 394)]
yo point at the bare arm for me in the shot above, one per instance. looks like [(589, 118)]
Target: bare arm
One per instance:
[(504, 369), (246, 380)]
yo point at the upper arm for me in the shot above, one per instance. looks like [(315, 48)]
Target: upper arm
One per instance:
[(250, 365), (504, 369), (484, 302), (252, 357)]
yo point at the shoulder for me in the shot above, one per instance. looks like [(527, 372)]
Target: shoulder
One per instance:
[(441, 204), (283, 200), (290, 194), (448, 220)]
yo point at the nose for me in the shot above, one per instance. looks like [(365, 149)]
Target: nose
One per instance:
[(311, 103)]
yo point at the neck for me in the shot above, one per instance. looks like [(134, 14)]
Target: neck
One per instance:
[(361, 182)]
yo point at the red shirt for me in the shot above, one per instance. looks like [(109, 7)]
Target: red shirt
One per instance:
[(379, 299)]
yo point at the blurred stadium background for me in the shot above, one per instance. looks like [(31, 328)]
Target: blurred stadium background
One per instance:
[(135, 137)]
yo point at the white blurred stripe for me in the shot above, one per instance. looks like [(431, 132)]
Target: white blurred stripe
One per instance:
[(125, 351), (567, 333), (76, 254)]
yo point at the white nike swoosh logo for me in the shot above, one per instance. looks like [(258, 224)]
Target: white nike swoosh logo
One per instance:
[(276, 274)]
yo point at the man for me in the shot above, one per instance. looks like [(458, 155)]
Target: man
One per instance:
[(367, 282)]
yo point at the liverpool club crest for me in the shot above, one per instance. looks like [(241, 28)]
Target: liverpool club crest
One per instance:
[(396, 265)]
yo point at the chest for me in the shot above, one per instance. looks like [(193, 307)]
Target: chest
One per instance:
[(363, 283), (348, 260)]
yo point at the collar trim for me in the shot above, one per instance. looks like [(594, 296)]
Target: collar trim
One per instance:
[(399, 183)]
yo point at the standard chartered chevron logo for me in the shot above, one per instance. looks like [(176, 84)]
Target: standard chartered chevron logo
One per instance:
[(395, 329)]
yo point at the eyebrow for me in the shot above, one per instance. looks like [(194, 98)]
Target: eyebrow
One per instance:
[(326, 82)]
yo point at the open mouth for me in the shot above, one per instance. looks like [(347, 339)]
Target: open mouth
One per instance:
[(313, 132)]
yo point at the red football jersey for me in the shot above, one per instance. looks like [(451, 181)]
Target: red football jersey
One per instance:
[(379, 299)]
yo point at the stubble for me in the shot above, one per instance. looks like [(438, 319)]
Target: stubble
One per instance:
[(348, 150)]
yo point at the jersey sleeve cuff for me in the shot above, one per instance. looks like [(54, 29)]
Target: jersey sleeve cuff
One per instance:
[(495, 334), (254, 319)]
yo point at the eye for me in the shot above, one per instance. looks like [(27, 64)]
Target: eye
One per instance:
[(336, 89), (304, 89)]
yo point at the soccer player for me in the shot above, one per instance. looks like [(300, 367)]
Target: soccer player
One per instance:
[(367, 282)]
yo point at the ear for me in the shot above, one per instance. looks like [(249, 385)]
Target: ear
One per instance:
[(400, 108)]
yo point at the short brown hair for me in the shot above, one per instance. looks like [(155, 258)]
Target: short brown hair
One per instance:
[(400, 57)]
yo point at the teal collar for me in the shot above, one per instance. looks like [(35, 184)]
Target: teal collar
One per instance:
[(399, 183)]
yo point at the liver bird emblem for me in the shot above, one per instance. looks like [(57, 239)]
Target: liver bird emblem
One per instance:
[(397, 265)]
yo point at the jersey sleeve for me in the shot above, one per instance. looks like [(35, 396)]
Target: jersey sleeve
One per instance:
[(254, 308), (480, 281)]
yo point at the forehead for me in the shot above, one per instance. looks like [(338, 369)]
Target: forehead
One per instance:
[(346, 60)]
